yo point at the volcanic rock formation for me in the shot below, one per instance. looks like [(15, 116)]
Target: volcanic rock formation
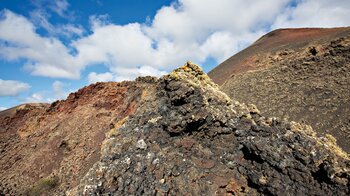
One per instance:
[(176, 135), (299, 74)]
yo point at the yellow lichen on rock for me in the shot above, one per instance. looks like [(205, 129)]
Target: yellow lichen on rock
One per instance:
[(114, 131), (331, 143)]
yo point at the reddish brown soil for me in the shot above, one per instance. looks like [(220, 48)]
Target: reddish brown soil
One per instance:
[(277, 40), (63, 139)]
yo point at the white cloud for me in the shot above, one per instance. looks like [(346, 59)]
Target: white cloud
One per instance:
[(58, 90), (220, 44), (35, 98), (2, 108), (315, 13), (94, 77), (70, 30), (60, 7), (40, 18), (130, 74), (12, 87), (192, 20), (186, 30), (45, 56), (122, 74), (115, 45)]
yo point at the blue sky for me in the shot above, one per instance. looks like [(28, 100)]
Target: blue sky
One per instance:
[(50, 48)]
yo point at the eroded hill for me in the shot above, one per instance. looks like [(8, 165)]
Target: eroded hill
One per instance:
[(55, 145), (176, 135), (299, 74)]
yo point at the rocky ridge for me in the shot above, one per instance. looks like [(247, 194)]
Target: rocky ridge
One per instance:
[(187, 137), (181, 136)]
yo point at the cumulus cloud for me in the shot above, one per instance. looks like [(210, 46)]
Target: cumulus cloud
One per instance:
[(129, 74), (58, 90), (194, 20), (94, 77), (122, 74), (35, 98), (186, 30), (115, 45), (12, 87), (315, 13), (216, 44), (45, 56)]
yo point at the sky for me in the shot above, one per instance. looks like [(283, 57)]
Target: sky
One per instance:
[(50, 48)]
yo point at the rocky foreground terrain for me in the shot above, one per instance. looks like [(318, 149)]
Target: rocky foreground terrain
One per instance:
[(176, 135), (299, 74)]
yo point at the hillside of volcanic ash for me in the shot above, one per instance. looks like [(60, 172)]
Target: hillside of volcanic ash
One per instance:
[(44, 146), (176, 135), (299, 74)]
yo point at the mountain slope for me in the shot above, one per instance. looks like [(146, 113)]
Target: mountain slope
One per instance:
[(181, 136), (265, 51), (300, 74), (60, 141)]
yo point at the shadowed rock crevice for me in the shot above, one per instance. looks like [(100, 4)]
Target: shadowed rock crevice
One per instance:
[(251, 156), (321, 175)]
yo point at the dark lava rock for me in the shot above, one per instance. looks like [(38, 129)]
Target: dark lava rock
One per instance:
[(188, 138)]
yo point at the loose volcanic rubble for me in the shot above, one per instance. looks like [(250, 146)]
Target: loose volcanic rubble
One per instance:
[(189, 138)]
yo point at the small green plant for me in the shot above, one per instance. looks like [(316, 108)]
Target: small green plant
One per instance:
[(42, 186)]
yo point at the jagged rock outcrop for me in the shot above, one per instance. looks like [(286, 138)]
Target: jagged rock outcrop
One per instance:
[(189, 138), (186, 137), (299, 74)]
